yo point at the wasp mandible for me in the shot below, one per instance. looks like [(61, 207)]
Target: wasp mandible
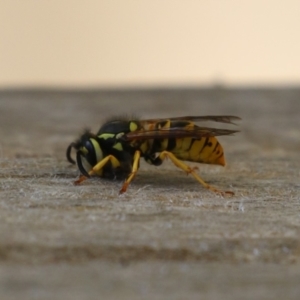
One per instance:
[(116, 149)]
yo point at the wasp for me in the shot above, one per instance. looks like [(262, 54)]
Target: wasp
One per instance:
[(116, 149)]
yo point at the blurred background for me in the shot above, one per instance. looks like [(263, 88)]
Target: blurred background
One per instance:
[(116, 43)]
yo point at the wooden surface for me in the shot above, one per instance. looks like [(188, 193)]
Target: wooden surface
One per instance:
[(167, 237)]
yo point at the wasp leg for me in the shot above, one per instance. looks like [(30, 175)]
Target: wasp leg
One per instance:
[(98, 167), (135, 166), (178, 163)]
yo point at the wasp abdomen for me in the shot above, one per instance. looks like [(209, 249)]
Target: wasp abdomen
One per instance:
[(203, 150)]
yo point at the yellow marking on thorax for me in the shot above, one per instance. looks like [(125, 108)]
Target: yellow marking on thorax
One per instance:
[(133, 126), (106, 136), (118, 146), (144, 147), (119, 135)]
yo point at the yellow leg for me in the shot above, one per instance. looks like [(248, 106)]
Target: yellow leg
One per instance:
[(115, 163), (178, 163), (135, 166)]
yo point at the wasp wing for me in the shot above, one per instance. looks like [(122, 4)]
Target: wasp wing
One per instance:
[(221, 119), (176, 132)]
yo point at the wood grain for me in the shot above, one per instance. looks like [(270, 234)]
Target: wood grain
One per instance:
[(167, 237)]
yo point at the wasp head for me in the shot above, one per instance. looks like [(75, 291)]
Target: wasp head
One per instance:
[(88, 152)]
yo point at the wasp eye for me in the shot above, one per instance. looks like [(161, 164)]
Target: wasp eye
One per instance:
[(88, 152), (89, 147)]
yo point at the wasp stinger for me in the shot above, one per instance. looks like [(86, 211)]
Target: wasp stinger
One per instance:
[(116, 149)]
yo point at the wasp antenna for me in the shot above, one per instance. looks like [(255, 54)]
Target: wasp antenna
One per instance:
[(68, 153)]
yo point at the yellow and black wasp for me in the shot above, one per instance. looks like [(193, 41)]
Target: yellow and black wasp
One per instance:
[(116, 149)]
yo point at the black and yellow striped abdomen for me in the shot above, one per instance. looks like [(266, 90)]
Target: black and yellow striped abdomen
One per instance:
[(202, 150)]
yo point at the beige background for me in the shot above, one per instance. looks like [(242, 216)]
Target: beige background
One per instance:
[(108, 43)]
